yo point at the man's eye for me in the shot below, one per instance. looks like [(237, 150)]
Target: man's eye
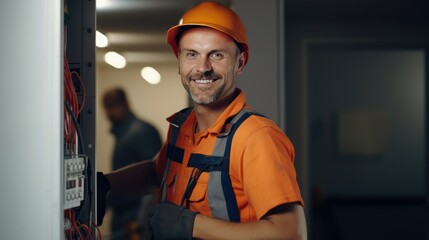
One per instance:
[(191, 55), (216, 56)]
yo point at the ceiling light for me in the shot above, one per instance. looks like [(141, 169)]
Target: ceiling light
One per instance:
[(101, 40), (151, 75), (101, 4), (115, 59)]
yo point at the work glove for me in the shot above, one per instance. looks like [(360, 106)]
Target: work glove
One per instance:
[(169, 221), (103, 188)]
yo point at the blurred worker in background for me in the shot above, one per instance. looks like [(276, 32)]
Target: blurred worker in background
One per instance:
[(136, 140), (224, 172)]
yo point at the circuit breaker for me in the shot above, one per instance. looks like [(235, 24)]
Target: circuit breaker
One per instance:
[(74, 181)]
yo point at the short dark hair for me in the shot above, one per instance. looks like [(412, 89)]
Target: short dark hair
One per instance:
[(117, 96), (121, 96)]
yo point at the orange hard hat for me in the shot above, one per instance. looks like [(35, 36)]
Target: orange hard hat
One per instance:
[(213, 15)]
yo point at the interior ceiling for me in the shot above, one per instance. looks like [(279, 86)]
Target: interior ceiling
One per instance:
[(136, 28)]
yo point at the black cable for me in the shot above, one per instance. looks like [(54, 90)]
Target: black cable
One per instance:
[(76, 124), (191, 184)]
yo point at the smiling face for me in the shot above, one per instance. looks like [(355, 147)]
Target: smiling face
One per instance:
[(209, 61)]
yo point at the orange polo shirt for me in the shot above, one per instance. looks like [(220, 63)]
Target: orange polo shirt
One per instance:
[(261, 164)]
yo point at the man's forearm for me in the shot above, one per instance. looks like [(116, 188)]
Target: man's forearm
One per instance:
[(136, 179), (289, 225)]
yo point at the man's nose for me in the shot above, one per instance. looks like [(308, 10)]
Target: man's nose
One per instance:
[(204, 65)]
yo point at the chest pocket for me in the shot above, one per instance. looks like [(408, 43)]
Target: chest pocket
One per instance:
[(198, 198), (199, 191)]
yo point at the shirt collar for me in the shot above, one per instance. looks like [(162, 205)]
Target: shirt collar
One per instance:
[(233, 108)]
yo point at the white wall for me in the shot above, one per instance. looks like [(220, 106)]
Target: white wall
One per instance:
[(30, 127)]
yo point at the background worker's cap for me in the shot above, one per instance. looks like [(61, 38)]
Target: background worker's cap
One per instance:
[(213, 15)]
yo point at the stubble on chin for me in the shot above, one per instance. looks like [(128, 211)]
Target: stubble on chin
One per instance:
[(204, 97)]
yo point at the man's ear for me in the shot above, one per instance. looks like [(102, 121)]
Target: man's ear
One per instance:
[(178, 64), (241, 62)]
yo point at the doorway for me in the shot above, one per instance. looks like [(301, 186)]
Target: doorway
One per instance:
[(366, 141)]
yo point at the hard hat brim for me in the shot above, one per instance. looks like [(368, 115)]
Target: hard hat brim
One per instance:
[(174, 31)]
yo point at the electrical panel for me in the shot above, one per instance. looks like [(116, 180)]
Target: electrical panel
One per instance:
[(79, 120)]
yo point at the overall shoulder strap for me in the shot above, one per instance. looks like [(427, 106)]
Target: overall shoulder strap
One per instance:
[(179, 118), (223, 203), (173, 152), (221, 196)]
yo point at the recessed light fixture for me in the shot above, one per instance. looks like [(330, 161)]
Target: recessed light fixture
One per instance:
[(102, 4), (115, 59), (101, 40), (150, 75)]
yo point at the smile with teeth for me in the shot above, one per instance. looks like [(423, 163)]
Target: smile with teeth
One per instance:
[(203, 81)]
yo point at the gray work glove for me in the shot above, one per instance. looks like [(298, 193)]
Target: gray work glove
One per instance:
[(169, 221)]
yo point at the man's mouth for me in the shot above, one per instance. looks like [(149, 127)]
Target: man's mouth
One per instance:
[(203, 81)]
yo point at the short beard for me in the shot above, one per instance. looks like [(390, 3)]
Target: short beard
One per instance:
[(206, 100)]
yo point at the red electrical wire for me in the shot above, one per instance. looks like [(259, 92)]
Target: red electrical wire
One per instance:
[(82, 87), (71, 97), (76, 227), (98, 231), (86, 230), (68, 96)]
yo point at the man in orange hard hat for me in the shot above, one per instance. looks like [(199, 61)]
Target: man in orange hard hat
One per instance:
[(225, 172)]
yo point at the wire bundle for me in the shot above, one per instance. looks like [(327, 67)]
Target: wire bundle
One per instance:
[(70, 96), (76, 230)]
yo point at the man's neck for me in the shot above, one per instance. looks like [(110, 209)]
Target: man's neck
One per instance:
[(208, 114)]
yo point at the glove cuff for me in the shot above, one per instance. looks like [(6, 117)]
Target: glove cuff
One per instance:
[(186, 224)]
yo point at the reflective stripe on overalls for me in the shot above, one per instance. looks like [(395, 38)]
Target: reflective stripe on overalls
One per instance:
[(221, 197)]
